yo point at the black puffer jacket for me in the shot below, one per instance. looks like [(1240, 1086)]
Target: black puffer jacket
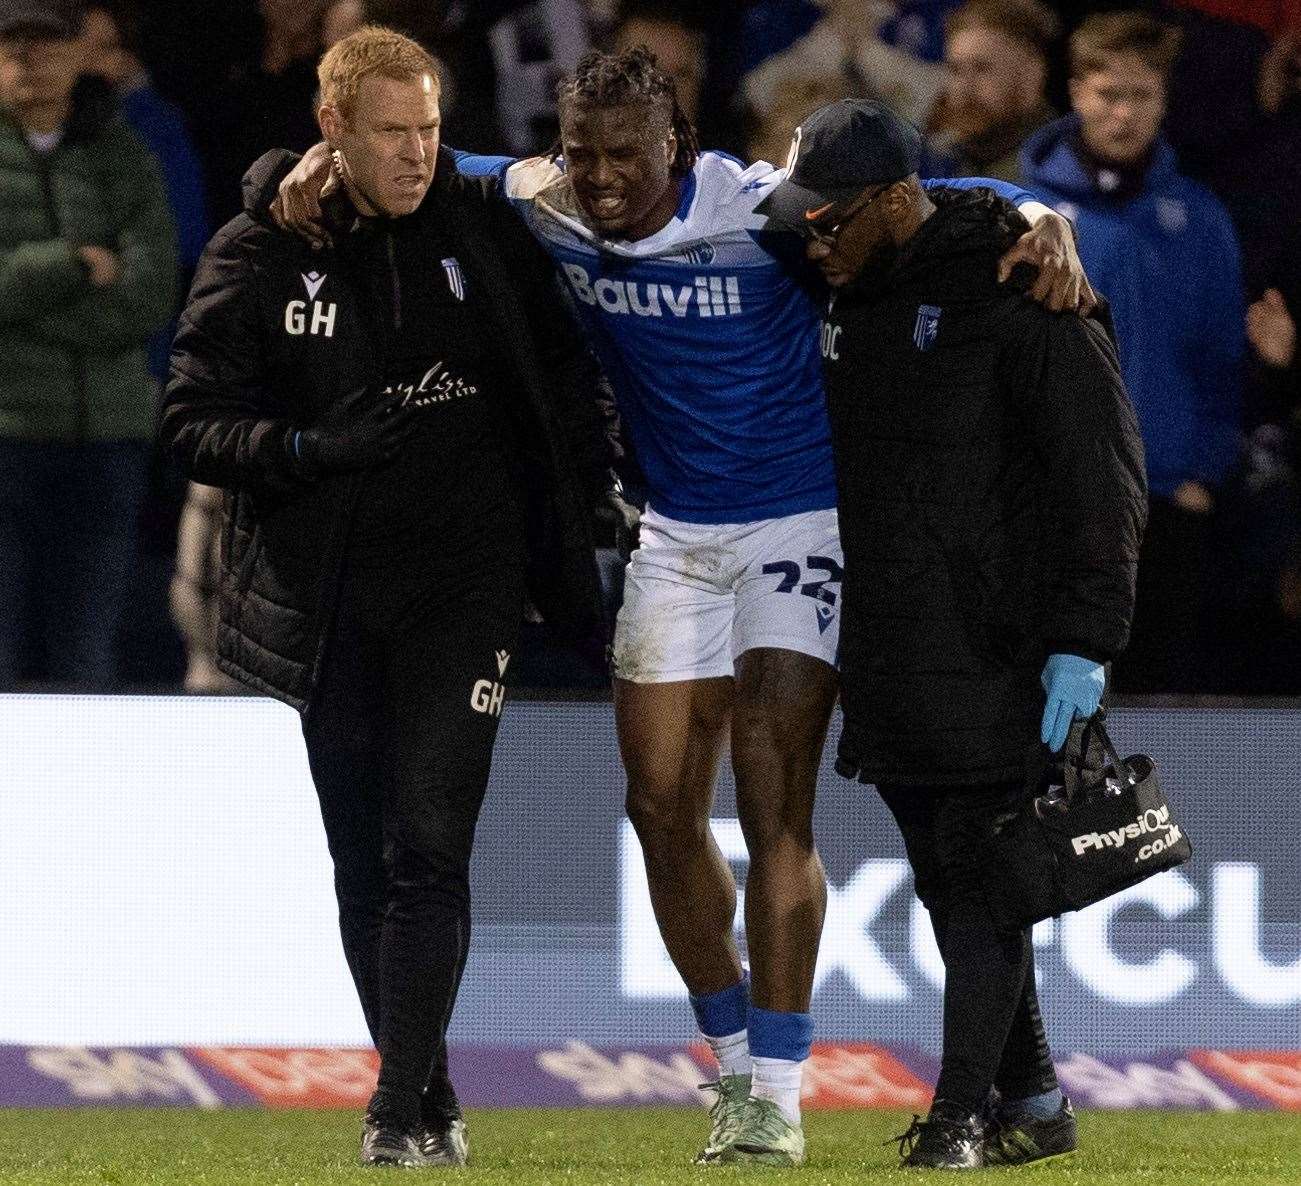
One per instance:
[(247, 371), (992, 500)]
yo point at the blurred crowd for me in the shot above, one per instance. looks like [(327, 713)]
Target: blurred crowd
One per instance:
[(1169, 132)]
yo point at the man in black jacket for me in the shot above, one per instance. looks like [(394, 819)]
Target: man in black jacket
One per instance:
[(407, 430), (992, 499)]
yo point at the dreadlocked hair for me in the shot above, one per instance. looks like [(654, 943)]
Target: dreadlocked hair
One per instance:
[(634, 76)]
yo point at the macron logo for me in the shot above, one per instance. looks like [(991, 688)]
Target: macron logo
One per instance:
[(313, 281), (709, 296)]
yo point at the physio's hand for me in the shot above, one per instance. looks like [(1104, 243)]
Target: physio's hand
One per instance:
[(361, 431), (103, 268), (1049, 246), (1074, 686), (297, 207)]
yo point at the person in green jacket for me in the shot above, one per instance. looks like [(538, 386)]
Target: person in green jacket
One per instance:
[(87, 273)]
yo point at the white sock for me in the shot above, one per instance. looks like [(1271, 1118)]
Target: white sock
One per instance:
[(732, 1052), (779, 1080)]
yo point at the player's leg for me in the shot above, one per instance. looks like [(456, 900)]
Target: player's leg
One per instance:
[(779, 726), (785, 637), (673, 697), (672, 702), (783, 704), (671, 737)]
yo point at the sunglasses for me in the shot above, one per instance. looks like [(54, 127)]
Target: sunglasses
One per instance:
[(826, 235)]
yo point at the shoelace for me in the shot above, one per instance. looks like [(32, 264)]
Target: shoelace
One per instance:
[(909, 1138), (720, 1103)]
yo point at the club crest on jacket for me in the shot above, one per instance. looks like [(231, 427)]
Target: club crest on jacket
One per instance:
[(926, 327)]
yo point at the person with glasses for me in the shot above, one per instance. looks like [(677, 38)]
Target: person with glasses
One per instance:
[(992, 499), (706, 322)]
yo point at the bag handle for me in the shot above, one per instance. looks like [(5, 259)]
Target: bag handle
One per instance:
[(1123, 772), (1073, 767)]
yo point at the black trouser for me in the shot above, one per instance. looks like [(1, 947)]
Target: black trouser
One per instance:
[(399, 741), (993, 1033)]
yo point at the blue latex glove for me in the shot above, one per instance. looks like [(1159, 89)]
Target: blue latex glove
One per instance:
[(1074, 686)]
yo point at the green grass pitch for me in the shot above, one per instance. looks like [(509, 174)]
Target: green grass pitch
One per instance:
[(641, 1147)]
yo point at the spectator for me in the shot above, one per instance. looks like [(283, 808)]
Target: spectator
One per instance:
[(1161, 248), (678, 48), (87, 274), (996, 54), (847, 40), (1258, 630)]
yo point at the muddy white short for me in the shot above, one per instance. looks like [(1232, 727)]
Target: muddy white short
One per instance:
[(699, 595)]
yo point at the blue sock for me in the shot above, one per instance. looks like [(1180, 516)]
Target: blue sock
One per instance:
[(780, 1035), (1037, 1107), (719, 1014)]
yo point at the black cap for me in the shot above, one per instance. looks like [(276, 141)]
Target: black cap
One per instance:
[(60, 19), (837, 153)]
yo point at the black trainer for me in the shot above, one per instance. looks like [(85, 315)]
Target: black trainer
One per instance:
[(445, 1142), (950, 1138), (384, 1141), (1015, 1139), (443, 1138)]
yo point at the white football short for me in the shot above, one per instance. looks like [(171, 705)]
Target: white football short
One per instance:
[(699, 595)]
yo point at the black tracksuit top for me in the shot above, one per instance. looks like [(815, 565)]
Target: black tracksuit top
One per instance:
[(992, 501), (274, 333)]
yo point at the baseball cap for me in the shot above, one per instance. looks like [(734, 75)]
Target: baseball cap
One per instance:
[(837, 153), (61, 19)]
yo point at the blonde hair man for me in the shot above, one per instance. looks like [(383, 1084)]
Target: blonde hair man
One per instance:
[(365, 408)]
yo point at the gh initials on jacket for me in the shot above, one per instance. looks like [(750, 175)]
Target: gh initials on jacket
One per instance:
[(322, 315)]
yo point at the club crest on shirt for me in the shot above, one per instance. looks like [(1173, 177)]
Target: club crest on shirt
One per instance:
[(926, 327), (455, 277), (702, 254)]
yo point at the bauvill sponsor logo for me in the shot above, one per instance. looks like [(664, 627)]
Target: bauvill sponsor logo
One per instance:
[(1155, 819), (709, 296)]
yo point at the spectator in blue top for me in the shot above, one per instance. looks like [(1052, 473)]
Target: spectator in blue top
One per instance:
[(1162, 250)]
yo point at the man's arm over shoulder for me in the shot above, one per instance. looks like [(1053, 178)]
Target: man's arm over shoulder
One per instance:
[(1005, 189), (218, 415), (476, 164), (1063, 375)]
